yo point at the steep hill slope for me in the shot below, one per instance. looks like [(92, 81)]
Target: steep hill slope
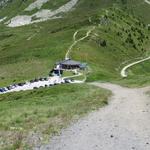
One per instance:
[(39, 45), (26, 12), (109, 55), (119, 38), (139, 8)]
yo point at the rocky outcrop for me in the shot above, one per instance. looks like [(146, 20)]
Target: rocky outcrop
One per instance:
[(41, 15)]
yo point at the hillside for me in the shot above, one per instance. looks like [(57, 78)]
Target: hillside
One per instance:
[(35, 34), (37, 47)]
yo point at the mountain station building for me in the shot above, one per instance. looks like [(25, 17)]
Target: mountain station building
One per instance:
[(70, 64)]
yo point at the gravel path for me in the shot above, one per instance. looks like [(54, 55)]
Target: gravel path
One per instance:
[(123, 71), (147, 1), (75, 41), (122, 125)]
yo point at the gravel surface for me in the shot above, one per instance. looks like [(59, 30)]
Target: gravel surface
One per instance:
[(147, 1), (2, 19), (122, 125), (124, 70)]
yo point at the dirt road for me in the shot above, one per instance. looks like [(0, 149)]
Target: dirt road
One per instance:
[(124, 70), (122, 125)]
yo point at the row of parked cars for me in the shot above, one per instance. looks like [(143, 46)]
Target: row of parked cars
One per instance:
[(22, 85), (13, 86)]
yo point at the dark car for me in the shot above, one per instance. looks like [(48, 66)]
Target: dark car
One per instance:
[(45, 79), (35, 88), (21, 84), (1, 90), (31, 81), (36, 80), (41, 79), (67, 81), (9, 87)]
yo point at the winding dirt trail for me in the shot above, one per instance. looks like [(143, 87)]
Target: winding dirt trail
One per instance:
[(122, 125), (123, 71), (147, 1), (76, 41)]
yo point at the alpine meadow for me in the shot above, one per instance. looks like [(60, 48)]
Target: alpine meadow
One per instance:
[(74, 68)]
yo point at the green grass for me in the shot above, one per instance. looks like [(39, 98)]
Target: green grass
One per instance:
[(107, 61), (140, 9), (67, 73), (46, 111), (48, 45), (54, 4), (52, 38), (138, 75)]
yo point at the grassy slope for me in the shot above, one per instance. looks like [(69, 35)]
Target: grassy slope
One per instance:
[(49, 44), (106, 62), (52, 38), (45, 111), (22, 59), (138, 75), (139, 8)]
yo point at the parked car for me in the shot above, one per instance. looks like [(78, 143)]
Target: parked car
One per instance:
[(1, 90), (41, 79), (35, 88), (21, 84), (45, 79), (9, 87), (67, 81), (36, 80), (31, 81)]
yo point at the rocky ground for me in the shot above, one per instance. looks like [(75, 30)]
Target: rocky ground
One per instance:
[(41, 15)]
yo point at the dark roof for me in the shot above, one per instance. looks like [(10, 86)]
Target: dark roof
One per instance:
[(69, 62)]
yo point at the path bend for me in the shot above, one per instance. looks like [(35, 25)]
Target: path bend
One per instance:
[(122, 125), (147, 1), (75, 41), (124, 70)]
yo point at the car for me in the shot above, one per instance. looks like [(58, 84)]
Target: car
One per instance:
[(62, 82), (21, 84), (9, 87), (67, 81), (36, 80), (14, 86), (31, 81), (41, 79), (35, 88), (1, 90), (45, 79)]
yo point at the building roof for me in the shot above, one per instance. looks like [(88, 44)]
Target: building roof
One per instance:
[(69, 62)]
